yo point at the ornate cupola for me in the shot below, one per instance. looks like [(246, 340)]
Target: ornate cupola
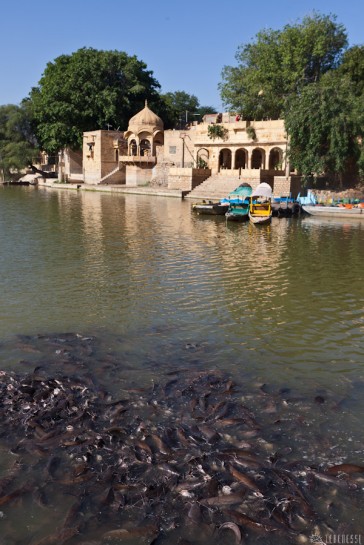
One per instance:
[(144, 134), (144, 121)]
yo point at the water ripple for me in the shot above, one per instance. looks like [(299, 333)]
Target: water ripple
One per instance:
[(284, 296)]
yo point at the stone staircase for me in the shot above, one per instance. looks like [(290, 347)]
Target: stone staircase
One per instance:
[(219, 185), (108, 176)]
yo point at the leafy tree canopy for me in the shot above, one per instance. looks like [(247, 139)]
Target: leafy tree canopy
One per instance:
[(18, 146), (184, 108), (352, 65), (280, 63), (325, 127), (89, 90)]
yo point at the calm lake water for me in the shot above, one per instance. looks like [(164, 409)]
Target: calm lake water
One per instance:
[(278, 308)]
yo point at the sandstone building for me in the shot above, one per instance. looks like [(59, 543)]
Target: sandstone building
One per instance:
[(189, 159)]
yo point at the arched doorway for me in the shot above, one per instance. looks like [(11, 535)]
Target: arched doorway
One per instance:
[(202, 158), (225, 159), (133, 148), (158, 143), (144, 147), (241, 158), (275, 159), (258, 158)]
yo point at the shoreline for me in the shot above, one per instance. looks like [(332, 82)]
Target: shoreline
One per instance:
[(137, 190)]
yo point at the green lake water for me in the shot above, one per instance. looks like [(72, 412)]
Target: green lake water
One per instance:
[(160, 289)]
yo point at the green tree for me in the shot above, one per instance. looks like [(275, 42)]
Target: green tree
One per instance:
[(326, 121), (352, 65), (180, 106), (90, 90), (217, 131), (324, 128), (203, 110), (18, 145), (183, 108), (280, 63)]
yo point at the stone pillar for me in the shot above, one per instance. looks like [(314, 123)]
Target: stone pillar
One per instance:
[(262, 167), (250, 155), (287, 169)]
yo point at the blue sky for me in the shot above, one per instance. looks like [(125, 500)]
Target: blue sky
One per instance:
[(185, 43)]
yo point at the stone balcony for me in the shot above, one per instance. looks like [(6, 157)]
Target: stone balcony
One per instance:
[(137, 159)]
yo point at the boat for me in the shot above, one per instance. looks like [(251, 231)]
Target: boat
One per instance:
[(221, 207), (349, 211), (211, 208), (260, 209), (239, 208), (238, 212), (284, 207)]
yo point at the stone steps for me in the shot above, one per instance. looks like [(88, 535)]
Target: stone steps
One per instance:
[(109, 175), (219, 186)]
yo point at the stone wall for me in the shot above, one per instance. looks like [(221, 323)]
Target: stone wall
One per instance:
[(70, 165), (187, 178), (136, 175), (100, 156), (160, 174), (281, 186), (179, 148)]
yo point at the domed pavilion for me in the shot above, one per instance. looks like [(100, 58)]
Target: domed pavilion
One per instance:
[(144, 134)]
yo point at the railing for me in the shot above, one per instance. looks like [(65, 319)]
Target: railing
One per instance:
[(137, 159)]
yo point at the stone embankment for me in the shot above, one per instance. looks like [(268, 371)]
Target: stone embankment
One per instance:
[(139, 190)]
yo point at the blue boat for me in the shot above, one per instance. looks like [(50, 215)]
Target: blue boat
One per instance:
[(239, 208), (220, 208), (284, 207)]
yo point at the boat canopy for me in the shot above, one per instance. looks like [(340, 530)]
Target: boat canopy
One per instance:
[(244, 190), (263, 190)]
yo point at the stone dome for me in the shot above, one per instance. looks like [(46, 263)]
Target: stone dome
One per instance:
[(145, 120)]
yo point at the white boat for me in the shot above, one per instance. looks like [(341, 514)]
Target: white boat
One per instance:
[(349, 212), (260, 209)]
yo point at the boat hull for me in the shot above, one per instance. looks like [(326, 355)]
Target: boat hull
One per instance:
[(334, 211), (260, 220), (285, 210), (260, 212), (213, 209), (233, 216)]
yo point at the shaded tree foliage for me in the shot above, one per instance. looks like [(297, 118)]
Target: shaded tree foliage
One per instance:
[(326, 122), (352, 65), (184, 108), (324, 128), (90, 90), (18, 145), (280, 63)]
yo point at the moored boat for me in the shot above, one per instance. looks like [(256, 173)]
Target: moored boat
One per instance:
[(221, 207), (284, 207), (260, 209), (340, 211), (238, 212), (211, 208), (239, 208)]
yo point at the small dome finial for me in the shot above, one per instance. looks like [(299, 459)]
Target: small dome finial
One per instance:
[(146, 103)]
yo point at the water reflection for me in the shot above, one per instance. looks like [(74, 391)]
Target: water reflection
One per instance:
[(287, 296), (158, 292)]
